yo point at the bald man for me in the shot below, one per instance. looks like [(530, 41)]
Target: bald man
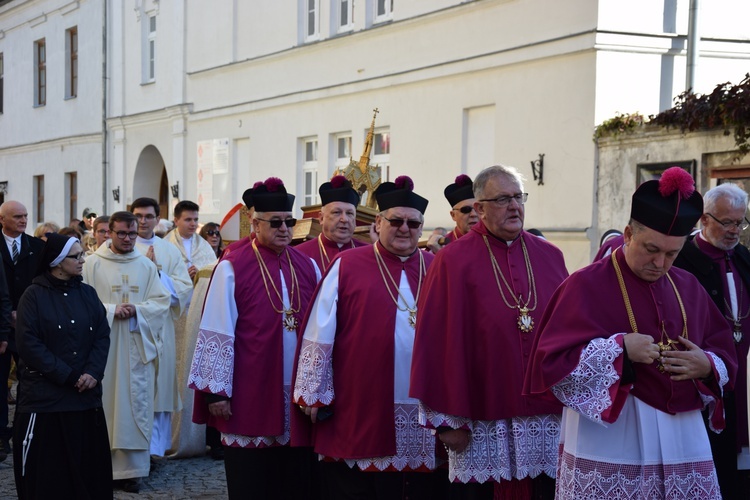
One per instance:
[(20, 254)]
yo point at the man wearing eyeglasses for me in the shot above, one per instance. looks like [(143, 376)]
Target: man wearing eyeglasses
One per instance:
[(242, 366), (174, 276), (722, 265), (338, 218), (196, 252), (137, 306), (482, 301), (101, 233), (460, 195), (352, 377)]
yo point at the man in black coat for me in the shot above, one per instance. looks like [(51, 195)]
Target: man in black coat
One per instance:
[(20, 253), (722, 265)]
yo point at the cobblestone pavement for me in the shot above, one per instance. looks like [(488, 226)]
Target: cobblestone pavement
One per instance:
[(186, 478)]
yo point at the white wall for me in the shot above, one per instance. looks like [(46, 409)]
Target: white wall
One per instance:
[(65, 134)]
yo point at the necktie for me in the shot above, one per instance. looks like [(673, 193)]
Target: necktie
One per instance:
[(15, 252)]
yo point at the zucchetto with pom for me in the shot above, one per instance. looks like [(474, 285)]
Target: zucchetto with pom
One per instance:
[(399, 193), (460, 190), (670, 205), (338, 189), (270, 196)]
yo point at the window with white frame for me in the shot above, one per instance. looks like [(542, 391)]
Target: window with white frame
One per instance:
[(71, 62), (345, 18), (39, 197), (40, 72), (381, 149), (312, 20), (71, 188), (383, 10), (343, 145), (310, 172), (381, 142), (148, 51)]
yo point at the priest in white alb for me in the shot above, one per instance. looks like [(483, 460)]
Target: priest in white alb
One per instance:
[(137, 306), (174, 276)]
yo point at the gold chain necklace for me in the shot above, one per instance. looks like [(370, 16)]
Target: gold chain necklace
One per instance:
[(525, 321), (324, 254), (665, 343), (290, 322), (382, 266)]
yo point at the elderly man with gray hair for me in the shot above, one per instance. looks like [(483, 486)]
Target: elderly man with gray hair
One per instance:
[(722, 265), (481, 300)]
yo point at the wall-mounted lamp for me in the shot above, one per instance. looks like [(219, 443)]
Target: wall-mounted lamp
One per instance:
[(4, 187), (116, 194), (537, 168), (175, 190)]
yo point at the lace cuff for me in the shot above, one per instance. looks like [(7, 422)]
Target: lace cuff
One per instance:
[(431, 419), (720, 370), (314, 383), (586, 389), (709, 398), (212, 368)]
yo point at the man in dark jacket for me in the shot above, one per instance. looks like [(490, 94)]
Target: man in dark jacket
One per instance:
[(20, 255), (722, 265)]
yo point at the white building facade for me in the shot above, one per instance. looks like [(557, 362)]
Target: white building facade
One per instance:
[(202, 98)]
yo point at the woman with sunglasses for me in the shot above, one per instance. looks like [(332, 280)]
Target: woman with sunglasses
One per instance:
[(211, 233), (60, 439)]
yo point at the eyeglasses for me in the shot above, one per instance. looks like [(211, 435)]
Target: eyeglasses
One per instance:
[(215, 232), (738, 224), (276, 223), (102, 231), (145, 216), (413, 224), (465, 209), (504, 201), (76, 256), (124, 234)]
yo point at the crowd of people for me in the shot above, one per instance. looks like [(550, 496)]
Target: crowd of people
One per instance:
[(473, 368)]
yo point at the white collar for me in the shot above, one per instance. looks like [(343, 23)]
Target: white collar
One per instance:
[(10, 240)]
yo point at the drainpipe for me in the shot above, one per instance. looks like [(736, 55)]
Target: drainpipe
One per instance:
[(105, 138), (693, 39)]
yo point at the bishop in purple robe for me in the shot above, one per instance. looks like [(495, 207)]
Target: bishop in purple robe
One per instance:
[(635, 349), (242, 366), (484, 295), (352, 376)]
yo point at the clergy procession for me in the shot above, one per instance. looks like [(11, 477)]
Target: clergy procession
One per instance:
[(368, 362)]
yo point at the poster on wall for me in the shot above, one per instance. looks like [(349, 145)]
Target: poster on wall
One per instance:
[(212, 159), (221, 156)]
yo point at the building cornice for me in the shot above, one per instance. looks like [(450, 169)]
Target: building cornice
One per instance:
[(72, 140), (163, 115)]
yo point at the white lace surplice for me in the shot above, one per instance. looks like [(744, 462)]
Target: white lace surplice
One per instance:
[(213, 361), (415, 446), (505, 449), (643, 454)]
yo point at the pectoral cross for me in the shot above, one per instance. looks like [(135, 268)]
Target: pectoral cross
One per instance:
[(125, 288)]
